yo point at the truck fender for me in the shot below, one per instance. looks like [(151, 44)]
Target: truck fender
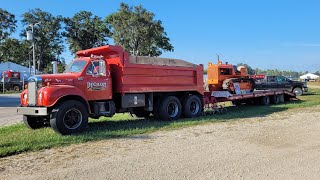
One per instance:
[(56, 94)]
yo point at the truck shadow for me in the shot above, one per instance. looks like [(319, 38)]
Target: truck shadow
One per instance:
[(110, 128)]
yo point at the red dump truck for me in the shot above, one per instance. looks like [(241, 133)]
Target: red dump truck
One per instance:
[(105, 80)]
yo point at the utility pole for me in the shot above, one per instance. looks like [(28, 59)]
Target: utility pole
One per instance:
[(33, 46)]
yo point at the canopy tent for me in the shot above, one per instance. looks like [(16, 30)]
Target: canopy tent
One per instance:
[(309, 76)]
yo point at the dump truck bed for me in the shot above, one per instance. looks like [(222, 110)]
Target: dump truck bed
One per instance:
[(135, 74), (148, 74)]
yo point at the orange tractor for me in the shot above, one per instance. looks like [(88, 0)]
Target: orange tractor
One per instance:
[(229, 77)]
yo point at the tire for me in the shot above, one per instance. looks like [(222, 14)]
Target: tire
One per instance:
[(16, 88), (275, 99), (192, 106), (142, 114), (236, 102), (281, 98), (69, 117), (265, 100), (170, 108), (33, 122), (298, 91)]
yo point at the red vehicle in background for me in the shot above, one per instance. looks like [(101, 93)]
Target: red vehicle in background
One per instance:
[(11, 81)]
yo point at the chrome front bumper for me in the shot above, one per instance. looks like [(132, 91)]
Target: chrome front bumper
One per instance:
[(32, 111)]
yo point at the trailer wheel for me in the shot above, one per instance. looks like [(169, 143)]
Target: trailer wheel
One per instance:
[(275, 99), (236, 102), (170, 108), (265, 100), (281, 98), (298, 91), (192, 106), (33, 122), (69, 117)]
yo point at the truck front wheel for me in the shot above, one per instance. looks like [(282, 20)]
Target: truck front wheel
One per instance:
[(69, 117), (298, 91), (170, 108), (33, 122)]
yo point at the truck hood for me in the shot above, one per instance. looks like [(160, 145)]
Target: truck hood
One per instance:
[(54, 79)]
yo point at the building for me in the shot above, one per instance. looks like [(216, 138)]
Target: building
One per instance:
[(7, 66)]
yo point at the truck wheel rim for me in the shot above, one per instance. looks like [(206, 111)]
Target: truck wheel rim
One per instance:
[(172, 109), (298, 91), (194, 107), (72, 118)]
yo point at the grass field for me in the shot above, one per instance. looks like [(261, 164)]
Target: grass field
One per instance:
[(17, 138), (314, 83)]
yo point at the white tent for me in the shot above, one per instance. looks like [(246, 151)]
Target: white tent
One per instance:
[(309, 76), (5, 66)]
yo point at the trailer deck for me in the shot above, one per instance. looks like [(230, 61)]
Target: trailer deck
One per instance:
[(210, 98)]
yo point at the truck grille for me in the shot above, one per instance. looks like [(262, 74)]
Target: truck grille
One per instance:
[(32, 93)]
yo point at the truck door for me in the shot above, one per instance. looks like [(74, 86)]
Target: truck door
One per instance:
[(97, 81), (271, 83), (283, 83)]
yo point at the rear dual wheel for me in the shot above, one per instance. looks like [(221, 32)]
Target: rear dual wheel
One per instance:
[(170, 108), (192, 106)]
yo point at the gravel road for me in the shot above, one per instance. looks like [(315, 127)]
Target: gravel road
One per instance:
[(283, 145)]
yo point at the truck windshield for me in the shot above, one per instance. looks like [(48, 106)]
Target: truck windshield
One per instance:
[(76, 66)]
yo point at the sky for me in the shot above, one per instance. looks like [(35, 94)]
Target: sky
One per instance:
[(265, 34)]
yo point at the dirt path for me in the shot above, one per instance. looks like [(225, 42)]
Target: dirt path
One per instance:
[(283, 145)]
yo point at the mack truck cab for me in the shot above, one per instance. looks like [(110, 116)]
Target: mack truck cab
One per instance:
[(105, 80)]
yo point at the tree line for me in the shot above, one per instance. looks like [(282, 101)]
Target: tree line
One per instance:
[(275, 72), (132, 27)]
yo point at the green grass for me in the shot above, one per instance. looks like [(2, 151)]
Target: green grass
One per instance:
[(17, 138)]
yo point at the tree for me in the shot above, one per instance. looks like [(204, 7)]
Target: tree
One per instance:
[(84, 30), (135, 29), (48, 36), (15, 51), (7, 24)]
